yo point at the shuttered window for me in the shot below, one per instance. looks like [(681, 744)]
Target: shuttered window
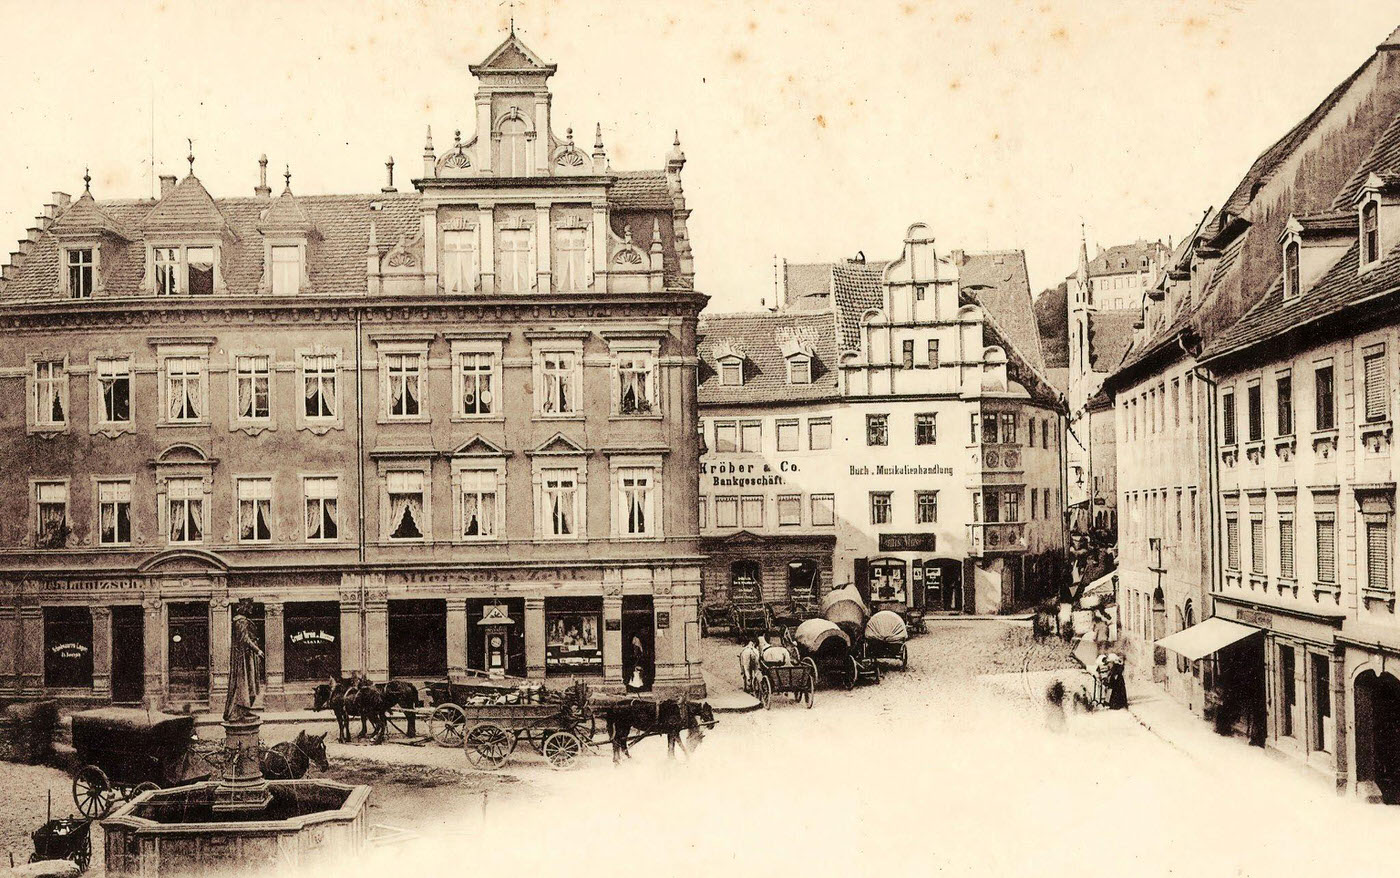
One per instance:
[(1325, 409), (1377, 388), (1232, 543), (1227, 417), (1256, 545), (1284, 397), (1326, 549), (1377, 556), (1285, 548)]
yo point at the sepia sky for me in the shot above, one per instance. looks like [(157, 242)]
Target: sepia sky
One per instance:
[(812, 129)]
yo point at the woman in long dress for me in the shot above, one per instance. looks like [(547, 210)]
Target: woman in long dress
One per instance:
[(245, 665)]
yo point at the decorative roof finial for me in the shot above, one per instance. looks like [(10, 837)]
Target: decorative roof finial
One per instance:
[(598, 137), (87, 181), (428, 144), (190, 157), (457, 138), (287, 175), (678, 138), (389, 167), (569, 133)]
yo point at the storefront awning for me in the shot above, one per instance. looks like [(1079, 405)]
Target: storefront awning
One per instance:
[(1212, 635)]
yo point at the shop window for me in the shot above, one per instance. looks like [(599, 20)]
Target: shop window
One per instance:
[(312, 632), (887, 581), (804, 580), (1288, 689), (418, 638), (573, 631), (745, 582), (67, 647), (496, 646), (114, 390)]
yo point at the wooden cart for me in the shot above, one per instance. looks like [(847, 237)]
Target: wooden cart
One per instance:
[(126, 751)]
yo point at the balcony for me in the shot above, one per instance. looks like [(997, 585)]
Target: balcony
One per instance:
[(997, 536)]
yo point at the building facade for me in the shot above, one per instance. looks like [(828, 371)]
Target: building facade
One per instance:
[(429, 433), (944, 490)]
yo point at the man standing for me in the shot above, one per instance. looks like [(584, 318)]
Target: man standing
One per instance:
[(245, 673)]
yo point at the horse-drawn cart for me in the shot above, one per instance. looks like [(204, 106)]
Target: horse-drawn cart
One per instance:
[(558, 726), (798, 680), (886, 638), (126, 751)]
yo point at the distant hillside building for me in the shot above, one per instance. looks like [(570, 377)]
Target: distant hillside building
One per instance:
[(890, 425)]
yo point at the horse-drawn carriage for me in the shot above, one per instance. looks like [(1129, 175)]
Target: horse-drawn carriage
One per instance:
[(886, 638), (798, 680), (126, 751), (831, 653), (558, 725)]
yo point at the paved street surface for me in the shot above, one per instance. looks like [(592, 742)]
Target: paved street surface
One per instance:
[(940, 770)]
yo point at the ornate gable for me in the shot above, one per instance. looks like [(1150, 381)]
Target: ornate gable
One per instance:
[(559, 444)]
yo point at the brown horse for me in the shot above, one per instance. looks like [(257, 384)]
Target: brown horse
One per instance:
[(290, 760), (369, 701), (669, 717)]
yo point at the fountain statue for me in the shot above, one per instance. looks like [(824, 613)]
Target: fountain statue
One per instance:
[(242, 787)]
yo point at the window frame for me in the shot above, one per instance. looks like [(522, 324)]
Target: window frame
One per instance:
[(1370, 224), (877, 429), (650, 354), (929, 420), (236, 375), (620, 468), (794, 426), (925, 507), (724, 502), (492, 348), (566, 229), (168, 508), (307, 499), (826, 504), (452, 282), (35, 389), (238, 500), (394, 361), (812, 423), (466, 481), (543, 373), (524, 230), (115, 482), (100, 373), (199, 356), (881, 507), (64, 535), (69, 265), (319, 424), (547, 466), (386, 516), (1319, 370)]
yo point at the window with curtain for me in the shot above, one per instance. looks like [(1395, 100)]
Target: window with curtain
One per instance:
[(559, 492), (877, 430), (184, 388), (404, 374), (926, 429), (477, 370), (514, 154), (50, 393), (318, 371), (113, 513), (513, 272), (199, 278), (253, 379), (634, 373), (636, 488), (1377, 387), (322, 493), (254, 510), (1011, 505), (571, 259), (479, 503), (166, 261), (114, 386), (559, 369), (1378, 555), (927, 507), (185, 510), (1326, 547), (51, 515), (286, 270), (880, 503), (458, 267), (406, 505), (1008, 428)]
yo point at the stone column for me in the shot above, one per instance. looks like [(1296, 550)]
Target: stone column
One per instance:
[(219, 630), (155, 635), (600, 247), (102, 652), (275, 646), (612, 638), (487, 220), (483, 133), (457, 639), (377, 631), (534, 637), (9, 650), (430, 251), (543, 272), (351, 646), (31, 651)]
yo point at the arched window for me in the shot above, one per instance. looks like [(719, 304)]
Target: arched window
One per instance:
[(1291, 285), (1370, 235), (513, 157), (745, 582)]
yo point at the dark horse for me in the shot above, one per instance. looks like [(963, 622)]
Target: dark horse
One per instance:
[(369, 701), (669, 717), (290, 760)]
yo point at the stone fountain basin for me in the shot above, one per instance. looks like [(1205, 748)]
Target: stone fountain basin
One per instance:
[(177, 831)]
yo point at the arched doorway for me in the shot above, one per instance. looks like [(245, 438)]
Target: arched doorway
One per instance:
[(745, 582), (1378, 734), (1159, 630), (804, 580), (943, 585), (887, 581)]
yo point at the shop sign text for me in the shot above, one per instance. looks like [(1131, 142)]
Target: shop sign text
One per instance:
[(487, 577), (903, 469)]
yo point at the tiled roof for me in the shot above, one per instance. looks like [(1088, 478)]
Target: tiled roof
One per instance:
[(1058, 376), (84, 217), (856, 287), (1332, 222), (640, 190), (1127, 258), (998, 282), (760, 336), (189, 206), (1382, 160), (1339, 288), (806, 286), (1110, 334)]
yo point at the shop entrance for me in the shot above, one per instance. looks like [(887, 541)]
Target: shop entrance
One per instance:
[(638, 642), (128, 655), (480, 647), (1240, 688), (1378, 734), (418, 638), (943, 585), (188, 651), (67, 647)]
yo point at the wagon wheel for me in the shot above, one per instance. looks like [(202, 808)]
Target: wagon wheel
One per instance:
[(488, 745), (811, 666), (537, 736), (92, 793), (855, 673), (810, 691), (904, 656), (448, 725), (562, 749), (876, 666), (82, 853), (765, 693)]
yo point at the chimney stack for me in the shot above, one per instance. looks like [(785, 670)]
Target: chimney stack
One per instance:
[(262, 190), (167, 183), (61, 200), (389, 168)]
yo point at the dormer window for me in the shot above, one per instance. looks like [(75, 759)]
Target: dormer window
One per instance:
[(167, 263), (286, 270), (799, 370), (731, 373), (1290, 270), (1370, 234), (81, 273), (187, 271), (199, 277)]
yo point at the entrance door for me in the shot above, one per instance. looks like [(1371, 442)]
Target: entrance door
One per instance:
[(418, 638), (128, 655), (943, 585), (189, 651), (1378, 733), (638, 640)]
